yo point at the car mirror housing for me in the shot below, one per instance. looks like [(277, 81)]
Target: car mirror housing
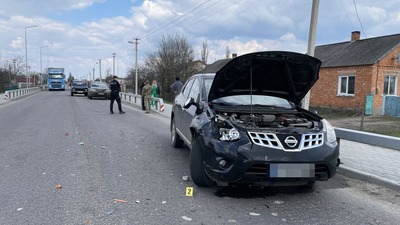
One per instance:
[(189, 103)]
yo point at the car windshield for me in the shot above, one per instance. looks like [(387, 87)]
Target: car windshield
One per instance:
[(260, 100), (99, 85), (56, 76), (207, 85), (79, 84)]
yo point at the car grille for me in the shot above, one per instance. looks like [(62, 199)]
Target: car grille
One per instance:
[(287, 142)]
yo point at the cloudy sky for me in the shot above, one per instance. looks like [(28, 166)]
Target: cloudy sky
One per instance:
[(78, 33)]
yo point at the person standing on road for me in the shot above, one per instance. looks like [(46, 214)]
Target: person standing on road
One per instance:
[(146, 93), (141, 91), (115, 88), (155, 91), (176, 86)]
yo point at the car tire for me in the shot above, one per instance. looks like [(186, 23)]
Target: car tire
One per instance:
[(90, 97), (176, 141), (197, 170), (72, 94)]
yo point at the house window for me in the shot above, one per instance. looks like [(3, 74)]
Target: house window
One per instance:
[(390, 85), (346, 85)]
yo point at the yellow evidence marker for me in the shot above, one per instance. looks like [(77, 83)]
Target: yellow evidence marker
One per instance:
[(189, 191)]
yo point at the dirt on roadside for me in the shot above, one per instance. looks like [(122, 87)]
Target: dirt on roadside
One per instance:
[(374, 124)]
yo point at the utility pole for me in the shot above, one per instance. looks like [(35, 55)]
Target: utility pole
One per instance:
[(113, 64), (15, 70), (136, 66), (305, 103), (100, 68), (93, 74)]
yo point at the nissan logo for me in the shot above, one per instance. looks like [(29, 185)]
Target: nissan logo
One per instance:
[(291, 141)]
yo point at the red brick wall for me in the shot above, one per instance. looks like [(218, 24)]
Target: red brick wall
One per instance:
[(325, 91)]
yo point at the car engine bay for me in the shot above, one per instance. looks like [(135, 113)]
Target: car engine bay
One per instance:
[(270, 120)]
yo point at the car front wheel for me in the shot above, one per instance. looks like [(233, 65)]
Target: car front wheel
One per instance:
[(176, 141), (197, 170)]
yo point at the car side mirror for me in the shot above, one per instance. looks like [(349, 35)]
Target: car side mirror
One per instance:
[(189, 102)]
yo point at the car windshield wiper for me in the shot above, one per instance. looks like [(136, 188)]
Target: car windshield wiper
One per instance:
[(220, 103), (271, 106)]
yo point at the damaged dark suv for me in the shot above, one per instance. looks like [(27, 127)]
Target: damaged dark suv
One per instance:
[(242, 121)]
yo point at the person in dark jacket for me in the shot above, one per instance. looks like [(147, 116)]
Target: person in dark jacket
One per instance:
[(115, 88), (141, 90), (176, 86)]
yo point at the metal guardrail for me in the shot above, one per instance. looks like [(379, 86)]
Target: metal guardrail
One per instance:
[(136, 99), (8, 95), (368, 138)]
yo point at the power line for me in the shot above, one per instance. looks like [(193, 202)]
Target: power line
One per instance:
[(161, 29)]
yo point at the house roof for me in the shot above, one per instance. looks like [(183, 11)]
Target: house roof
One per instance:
[(215, 66), (355, 53)]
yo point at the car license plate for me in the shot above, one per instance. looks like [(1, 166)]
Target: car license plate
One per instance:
[(292, 170), (80, 91), (101, 93)]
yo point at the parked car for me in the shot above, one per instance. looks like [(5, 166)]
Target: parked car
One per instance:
[(242, 120), (98, 89), (79, 87)]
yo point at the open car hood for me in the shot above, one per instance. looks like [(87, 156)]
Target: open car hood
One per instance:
[(288, 75)]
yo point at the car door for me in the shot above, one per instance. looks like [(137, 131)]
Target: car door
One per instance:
[(189, 113), (179, 102)]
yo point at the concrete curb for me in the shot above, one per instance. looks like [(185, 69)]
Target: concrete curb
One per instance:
[(367, 177)]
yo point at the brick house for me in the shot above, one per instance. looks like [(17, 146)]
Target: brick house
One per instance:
[(358, 73)]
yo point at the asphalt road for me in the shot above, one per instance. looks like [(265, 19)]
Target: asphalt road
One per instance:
[(121, 169)]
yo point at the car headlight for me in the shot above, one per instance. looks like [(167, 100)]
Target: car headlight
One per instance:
[(229, 134), (330, 131)]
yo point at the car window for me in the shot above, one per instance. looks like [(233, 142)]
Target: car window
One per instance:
[(207, 85), (187, 87), (195, 90)]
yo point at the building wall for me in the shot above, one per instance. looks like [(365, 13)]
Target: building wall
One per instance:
[(388, 65), (369, 79), (325, 91)]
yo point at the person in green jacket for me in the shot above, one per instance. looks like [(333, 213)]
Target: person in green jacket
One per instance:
[(155, 91)]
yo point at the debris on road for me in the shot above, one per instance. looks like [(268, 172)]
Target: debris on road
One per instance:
[(119, 200), (185, 178), (19, 209), (254, 214), (278, 202), (164, 202), (186, 218), (82, 143), (58, 186), (137, 201), (231, 221), (274, 214)]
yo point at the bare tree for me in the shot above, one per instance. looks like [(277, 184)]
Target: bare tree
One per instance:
[(227, 52), (204, 52), (174, 58)]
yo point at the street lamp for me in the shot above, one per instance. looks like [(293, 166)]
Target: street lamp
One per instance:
[(26, 56), (41, 70)]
